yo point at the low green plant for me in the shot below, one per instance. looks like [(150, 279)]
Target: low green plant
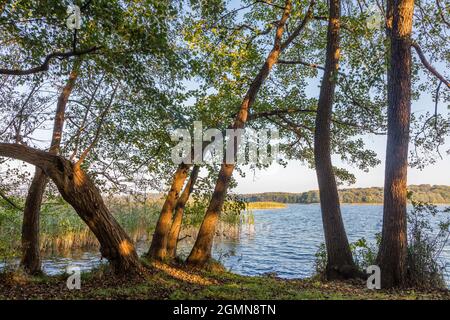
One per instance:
[(428, 234), (425, 244)]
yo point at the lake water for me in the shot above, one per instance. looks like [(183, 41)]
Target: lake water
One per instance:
[(281, 241), (284, 241)]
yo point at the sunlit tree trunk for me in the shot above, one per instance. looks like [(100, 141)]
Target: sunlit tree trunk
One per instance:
[(201, 252), (158, 247), (340, 262), (31, 260), (178, 216), (82, 194), (392, 257)]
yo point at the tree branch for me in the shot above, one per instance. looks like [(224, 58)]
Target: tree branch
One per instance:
[(39, 158), (99, 127), (300, 27), (9, 201), (304, 63), (277, 112), (428, 66), (45, 65)]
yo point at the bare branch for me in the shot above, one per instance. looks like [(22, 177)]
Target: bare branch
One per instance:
[(9, 201), (442, 13), (99, 128), (45, 65), (277, 112), (428, 66), (304, 63)]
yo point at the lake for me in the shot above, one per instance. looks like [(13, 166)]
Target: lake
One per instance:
[(281, 241)]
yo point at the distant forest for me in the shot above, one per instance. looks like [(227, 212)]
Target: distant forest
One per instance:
[(423, 192)]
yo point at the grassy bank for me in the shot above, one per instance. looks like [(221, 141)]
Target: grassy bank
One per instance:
[(175, 282), (265, 205)]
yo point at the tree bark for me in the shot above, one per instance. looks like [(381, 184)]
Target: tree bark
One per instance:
[(392, 256), (31, 260), (174, 233), (201, 252), (158, 247), (339, 258), (81, 193)]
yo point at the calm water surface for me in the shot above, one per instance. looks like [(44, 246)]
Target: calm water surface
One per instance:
[(281, 241)]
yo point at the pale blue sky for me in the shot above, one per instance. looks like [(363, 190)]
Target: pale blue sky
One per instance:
[(297, 178)]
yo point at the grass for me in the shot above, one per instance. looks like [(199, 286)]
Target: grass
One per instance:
[(62, 231), (175, 282), (265, 205)]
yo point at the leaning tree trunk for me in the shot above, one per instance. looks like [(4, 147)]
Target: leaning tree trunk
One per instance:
[(174, 232), (340, 262), (31, 260), (392, 256), (201, 252), (81, 193), (158, 247)]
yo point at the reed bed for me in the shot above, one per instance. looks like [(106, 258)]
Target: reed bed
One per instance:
[(63, 232)]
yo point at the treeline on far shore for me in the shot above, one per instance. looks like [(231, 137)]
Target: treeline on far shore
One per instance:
[(423, 192)]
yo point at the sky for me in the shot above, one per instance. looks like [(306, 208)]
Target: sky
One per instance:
[(298, 178)]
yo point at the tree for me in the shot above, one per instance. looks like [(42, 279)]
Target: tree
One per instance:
[(127, 48), (174, 232), (340, 262), (80, 192), (158, 247), (201, 252), (392, 257), (30, 227)]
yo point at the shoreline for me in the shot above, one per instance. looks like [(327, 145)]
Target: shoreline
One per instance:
[(162, 282), (344, 203)]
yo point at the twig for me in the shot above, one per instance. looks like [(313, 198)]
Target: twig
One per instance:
[(99, 128), (9, 201)]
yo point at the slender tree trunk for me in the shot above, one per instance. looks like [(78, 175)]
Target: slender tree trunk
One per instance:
[(158, 247), (392, 257), (340, 262), (201, 252), (178, 216), (31, 260), (82, 194)]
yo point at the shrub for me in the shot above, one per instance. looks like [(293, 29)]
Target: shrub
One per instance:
[(425, 245), (427, 237)]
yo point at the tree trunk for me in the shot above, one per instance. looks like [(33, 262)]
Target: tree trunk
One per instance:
[(31, 258), (31, 261), (174, 233), (392, 256), (158, 247), (81, 193), (340, 262), (201, 252)]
